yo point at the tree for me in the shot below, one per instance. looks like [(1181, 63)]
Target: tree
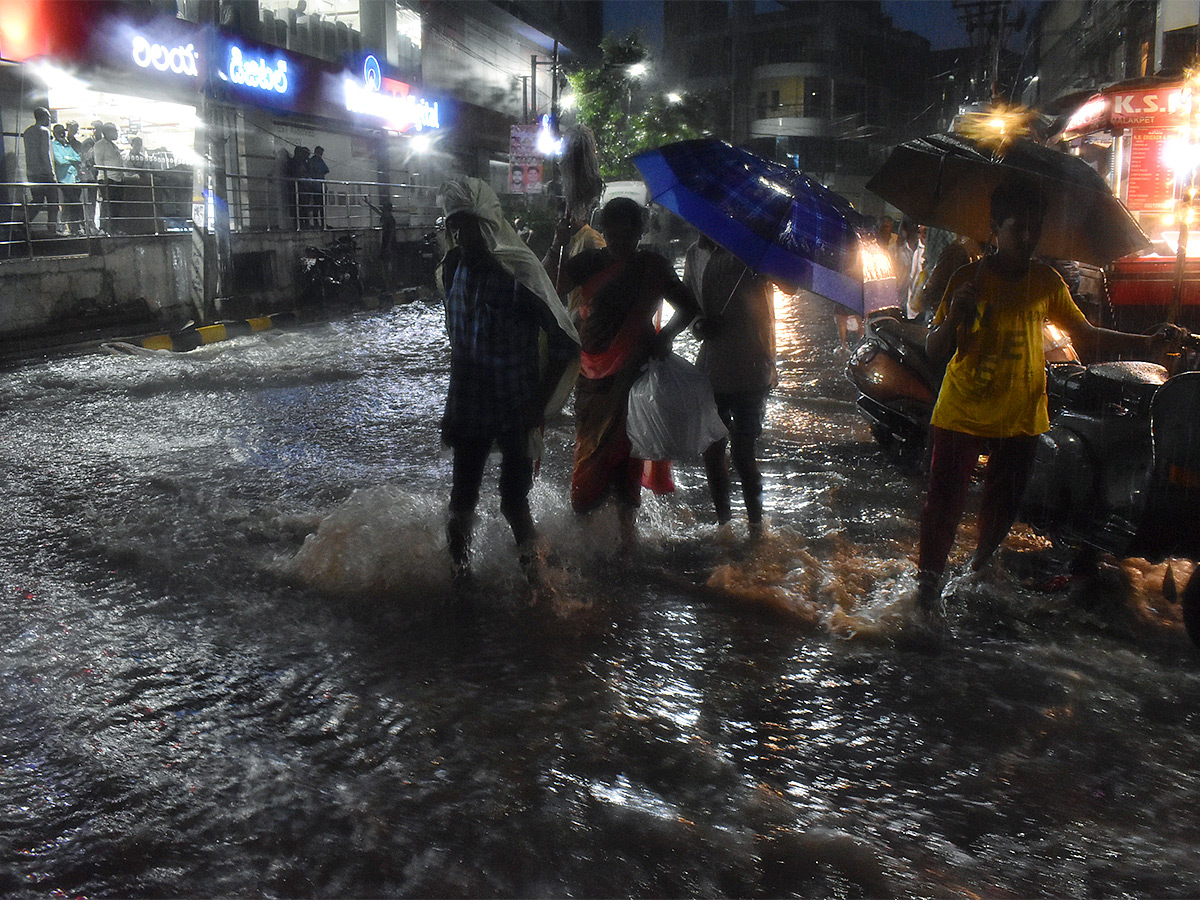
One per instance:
[(625, 116)]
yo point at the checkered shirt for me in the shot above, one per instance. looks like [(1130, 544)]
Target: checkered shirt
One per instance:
[(493, 324)]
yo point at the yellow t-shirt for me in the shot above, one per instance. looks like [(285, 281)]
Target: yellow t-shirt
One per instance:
[(995, 384)]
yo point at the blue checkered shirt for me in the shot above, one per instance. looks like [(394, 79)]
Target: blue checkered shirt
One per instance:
[(493, 325)]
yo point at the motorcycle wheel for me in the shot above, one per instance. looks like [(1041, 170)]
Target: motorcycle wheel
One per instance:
[(1190, 603)]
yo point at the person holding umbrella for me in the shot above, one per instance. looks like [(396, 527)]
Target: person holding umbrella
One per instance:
[(989, 326), (737, 352)]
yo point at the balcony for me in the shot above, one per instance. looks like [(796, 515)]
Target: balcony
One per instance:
[(792, 120)]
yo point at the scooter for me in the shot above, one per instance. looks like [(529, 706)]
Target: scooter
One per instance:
[(331, 273), (1119, 470), (898, 383)]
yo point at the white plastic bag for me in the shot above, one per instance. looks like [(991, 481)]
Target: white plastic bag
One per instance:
[(671, 412)]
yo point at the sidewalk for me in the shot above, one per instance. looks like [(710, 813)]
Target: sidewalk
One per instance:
[(14, 351)]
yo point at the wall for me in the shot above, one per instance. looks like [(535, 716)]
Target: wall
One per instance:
[(130, 286), (122, 282)]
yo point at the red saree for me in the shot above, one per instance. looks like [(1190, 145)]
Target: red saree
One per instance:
[(616, 311)]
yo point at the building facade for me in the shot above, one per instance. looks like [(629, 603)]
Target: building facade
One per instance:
[(399, 95), (829, 86)]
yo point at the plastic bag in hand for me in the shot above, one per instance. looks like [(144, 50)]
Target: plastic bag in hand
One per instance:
[(671, 412)]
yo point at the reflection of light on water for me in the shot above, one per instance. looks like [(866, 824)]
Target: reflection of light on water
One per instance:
[(788, 337), (623, 793)]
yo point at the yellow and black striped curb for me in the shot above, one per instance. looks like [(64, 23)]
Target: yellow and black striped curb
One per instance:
[(199, 335)]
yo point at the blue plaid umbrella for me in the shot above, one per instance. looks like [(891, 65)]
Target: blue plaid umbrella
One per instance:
[(777, 220)]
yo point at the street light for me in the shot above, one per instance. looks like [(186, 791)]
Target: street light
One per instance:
[(637, 70)]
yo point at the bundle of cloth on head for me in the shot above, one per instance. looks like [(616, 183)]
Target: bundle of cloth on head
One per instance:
[(474, 196)]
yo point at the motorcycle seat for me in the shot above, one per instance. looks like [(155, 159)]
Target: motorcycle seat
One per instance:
[(1131, 384), (1134, 373)]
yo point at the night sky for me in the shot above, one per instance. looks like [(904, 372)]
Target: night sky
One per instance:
[(933, 19)]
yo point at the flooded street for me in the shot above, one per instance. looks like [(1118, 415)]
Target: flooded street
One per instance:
[(231, 669)]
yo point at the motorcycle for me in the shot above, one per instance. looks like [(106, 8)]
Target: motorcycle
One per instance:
[(1119, 470), (331, 273)]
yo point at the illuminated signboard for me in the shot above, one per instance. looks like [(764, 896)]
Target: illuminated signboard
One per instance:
[(182, 60), (248, 70), (385, 98)]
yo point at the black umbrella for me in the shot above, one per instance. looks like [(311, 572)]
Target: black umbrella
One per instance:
[(946, 181)]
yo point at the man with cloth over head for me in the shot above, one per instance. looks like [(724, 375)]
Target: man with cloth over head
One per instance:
[(500, 308)]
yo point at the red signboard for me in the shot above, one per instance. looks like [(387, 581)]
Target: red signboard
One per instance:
[(1151, 183), (1157, 107)]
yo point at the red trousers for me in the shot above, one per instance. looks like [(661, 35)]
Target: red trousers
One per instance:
[(955, 456)]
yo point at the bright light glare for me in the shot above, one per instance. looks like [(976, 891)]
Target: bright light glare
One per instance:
[(637, 70), (567, 101), (768, 183), (422, 143), (876, 263), (57, 79), (675, 97), (547, 143), (1180, 156)]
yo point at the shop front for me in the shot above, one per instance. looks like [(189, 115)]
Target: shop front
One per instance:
[(216, 127), (1141, 136)]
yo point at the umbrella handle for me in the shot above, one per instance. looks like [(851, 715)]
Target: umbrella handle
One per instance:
[(737, 284)]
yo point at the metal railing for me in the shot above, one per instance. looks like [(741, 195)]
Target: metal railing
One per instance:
[(57, 219)]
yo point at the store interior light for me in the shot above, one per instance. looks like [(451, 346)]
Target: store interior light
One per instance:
[(57, 79), (421, 143)]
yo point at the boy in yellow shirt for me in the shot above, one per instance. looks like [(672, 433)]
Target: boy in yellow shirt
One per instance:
[(989, 325)]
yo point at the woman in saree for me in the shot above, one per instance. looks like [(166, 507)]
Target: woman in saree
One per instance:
[(622, 289)]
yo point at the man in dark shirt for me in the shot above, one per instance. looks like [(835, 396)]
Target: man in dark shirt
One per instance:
[(498, 388), (39, 169)]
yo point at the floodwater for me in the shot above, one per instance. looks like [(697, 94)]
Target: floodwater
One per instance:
[(231, 665)]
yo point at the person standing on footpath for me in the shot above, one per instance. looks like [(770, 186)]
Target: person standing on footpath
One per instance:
[(622, 291), (39, 169), (109, 175), (317, 170), (67, 165), (90, 194), (737, 352), (989, 326), (301, 187), (499, 304)]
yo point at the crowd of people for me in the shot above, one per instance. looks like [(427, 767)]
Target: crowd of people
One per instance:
[(88, 184), (596, 297), (84, 185)]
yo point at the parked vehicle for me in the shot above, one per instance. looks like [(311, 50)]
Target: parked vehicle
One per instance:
[(898, 382), (331, 274), (1119, 470)]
